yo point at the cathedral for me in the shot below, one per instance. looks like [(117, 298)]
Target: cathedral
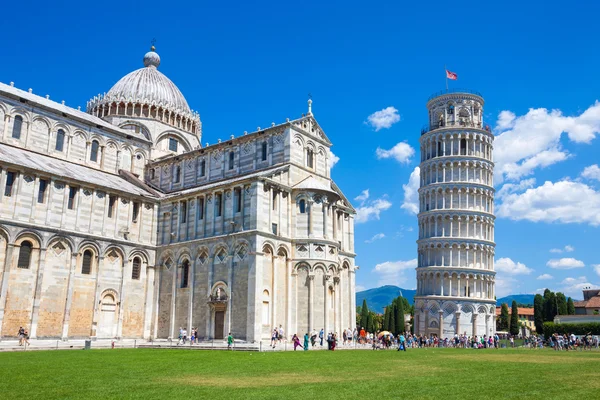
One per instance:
[(118, 223)]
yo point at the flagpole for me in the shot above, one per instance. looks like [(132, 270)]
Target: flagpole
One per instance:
[(446, 73)]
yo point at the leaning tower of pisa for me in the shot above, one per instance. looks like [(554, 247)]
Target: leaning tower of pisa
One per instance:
[(455, 272)]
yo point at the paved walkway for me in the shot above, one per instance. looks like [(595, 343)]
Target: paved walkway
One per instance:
[(219, 344)]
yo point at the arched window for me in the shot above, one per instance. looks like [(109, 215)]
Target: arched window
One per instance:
[(24, 254), (202, 167), (86, 265), (440, 151), (136, 268), (94, 152), (309, 158), (264, 151), (302, 206), (231, 159), (450, 109), (60, 140), (17, 125), (463, 146), (185, 271), (177, 174)]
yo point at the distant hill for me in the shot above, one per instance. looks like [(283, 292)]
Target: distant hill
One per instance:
[(519, 298), (380, 297)]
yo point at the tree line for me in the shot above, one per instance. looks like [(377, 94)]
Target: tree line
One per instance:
[(392, 319), (548, 306)]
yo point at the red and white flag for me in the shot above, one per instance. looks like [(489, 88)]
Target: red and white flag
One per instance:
[(451, 75)]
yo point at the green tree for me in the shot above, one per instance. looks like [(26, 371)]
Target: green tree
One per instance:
[(503, 320), (400, 315), (561, 304), (514, 319), (392, 318), (364, 314), (570, 307), (386, 319), (369, 324), (549, 305), (538, 313)]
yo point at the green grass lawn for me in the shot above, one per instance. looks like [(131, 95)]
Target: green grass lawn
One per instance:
[(185, 374)]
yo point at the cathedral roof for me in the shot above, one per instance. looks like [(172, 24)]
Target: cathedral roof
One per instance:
[(70, 171)]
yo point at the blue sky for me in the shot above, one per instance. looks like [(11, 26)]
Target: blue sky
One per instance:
[(247, 64)]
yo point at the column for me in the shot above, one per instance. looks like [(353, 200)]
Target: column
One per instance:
[(441, 321), (326, 302), (311, 290), (474, 333), (288, 303), (37, 294), (175, 266), (4, 285), (457, 316), (100, 265), (191, 295), (67, 314)]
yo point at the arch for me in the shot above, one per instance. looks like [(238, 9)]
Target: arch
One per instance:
[(320, 266), (283, 251), (116, 248), (139, 253), (89, 244), (60, 238), (268, 248), (301, 265), (180, 138), (31, 235)]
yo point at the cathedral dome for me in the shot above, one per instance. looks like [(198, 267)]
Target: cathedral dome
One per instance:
[(146, 92), (149, 85)]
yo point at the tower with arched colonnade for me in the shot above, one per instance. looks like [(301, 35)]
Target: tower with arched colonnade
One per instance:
[(455, 271)]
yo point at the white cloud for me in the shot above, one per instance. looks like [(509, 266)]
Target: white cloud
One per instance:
[(507, 266), (333, 159), (531, 141), (564, 201), (509, 188), (402, 152), (371, 210), (567, 249), (383, 119), (591, 172), (375, 237), (596, 268), (565, 263), (506, 285), (411, 194), (362, 197), (572, 287), (545, 277), (393, 272)]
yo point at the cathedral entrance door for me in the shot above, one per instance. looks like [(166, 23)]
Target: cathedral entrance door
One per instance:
[(219, 324)]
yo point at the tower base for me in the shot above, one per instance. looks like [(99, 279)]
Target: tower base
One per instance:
[(447, 317)]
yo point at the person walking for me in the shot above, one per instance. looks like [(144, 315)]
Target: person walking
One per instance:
[(402, 344), (229, 341), (321, 334), (306, 341), (296, 341), (21, 335)]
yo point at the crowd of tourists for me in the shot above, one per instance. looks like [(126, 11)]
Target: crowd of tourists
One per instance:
[(571, 342)]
